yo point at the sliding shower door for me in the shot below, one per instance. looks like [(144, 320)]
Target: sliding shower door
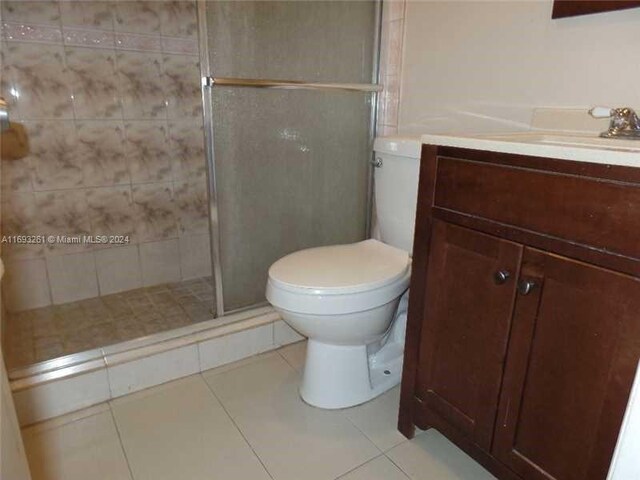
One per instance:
[(291, 166)]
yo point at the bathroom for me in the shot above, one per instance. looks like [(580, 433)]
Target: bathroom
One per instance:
[(179, 177)]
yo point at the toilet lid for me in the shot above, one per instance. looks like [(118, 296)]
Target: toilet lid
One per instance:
[(340, 269)]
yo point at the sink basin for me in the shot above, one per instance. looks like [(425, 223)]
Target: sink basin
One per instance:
[(568, 140)]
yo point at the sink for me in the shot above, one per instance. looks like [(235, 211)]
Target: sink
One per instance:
[(568, 140)]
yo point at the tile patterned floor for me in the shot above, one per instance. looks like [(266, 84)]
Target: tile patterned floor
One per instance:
[(243, 421), (44, 333)]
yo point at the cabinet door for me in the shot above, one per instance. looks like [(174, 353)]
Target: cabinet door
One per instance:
[(572, 357), (466, 327)]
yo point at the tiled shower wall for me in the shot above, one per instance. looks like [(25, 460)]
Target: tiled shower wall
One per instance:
[(390, 65), (108, 92)]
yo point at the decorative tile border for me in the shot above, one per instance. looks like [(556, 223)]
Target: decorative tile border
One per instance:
[(31, 33), (82, 37), (132, 41), (78, 37)]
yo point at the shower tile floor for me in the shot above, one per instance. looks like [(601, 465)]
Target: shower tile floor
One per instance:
[(50, 332)]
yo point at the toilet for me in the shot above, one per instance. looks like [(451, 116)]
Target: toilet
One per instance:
[(351, 300)]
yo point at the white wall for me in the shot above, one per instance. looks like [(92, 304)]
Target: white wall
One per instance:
[(625, 464), (13, 460), (483, 65)]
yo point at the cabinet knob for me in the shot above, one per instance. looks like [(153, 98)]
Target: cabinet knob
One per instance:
[(525, 286), (501, 276)]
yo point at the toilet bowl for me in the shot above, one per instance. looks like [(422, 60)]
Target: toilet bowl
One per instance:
[(351, 300), (346, 309)]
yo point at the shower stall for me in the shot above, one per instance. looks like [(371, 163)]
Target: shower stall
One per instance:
[(175, 150)]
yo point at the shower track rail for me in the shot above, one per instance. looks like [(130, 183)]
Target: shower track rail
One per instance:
[(289, 84)]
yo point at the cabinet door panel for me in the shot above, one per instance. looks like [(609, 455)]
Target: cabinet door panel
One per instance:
[(466, 327), (572, 357)]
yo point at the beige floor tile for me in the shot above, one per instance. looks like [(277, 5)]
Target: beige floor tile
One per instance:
[(431, 456), (240, 363), (68, 418), (380, 468), (295, 354), (378, 419), (180, 431), (86, 448), (292, 439)]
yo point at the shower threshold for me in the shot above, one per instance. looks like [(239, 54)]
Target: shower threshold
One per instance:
[(38, 335)]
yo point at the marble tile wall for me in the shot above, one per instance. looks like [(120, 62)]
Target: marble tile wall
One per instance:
[(108, 92), (390, 65)]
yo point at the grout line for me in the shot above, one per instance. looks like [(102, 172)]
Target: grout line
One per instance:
[(124, 451), (279, 352), (42, 426), (279, 349), (343, 413), (199, 357), (362, 433), (107, 369), (342, 475), (396, 445), (237, 427), (398, 466)]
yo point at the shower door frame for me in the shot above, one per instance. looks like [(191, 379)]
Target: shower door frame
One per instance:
[(209, 138), (208, 82), (81, 362)]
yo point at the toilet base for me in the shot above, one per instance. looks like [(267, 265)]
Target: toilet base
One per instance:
[(341, 376)]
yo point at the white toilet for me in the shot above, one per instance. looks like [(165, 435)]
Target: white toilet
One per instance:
[(351, 300)]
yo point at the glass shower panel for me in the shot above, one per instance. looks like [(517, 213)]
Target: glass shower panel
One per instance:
[(293, 174), (311, 40), (104, 176), (291, 165)]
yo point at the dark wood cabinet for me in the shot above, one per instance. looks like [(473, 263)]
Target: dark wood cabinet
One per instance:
[(463, 345), (524, 328), (572, 8), (573, 350)]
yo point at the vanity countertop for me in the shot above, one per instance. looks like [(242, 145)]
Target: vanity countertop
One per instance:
[(566, 146)]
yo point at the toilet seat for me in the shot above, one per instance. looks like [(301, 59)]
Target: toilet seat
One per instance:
[(339, 279)]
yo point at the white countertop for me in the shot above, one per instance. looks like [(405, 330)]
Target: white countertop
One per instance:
[(566, 146)]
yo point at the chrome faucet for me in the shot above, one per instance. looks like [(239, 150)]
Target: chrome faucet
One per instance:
[(624, 122)]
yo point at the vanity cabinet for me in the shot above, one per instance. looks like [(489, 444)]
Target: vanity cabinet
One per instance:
[(462, 347), (572, 356), (524, 318)]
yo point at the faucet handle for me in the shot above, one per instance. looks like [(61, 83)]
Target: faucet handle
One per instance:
[(601, 112), (624, 122)]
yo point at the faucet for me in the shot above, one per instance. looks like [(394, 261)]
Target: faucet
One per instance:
[(624, 122)]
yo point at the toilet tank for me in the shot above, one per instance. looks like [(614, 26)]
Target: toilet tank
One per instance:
[(396, 188)]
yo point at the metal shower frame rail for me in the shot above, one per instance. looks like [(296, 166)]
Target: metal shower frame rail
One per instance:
[(209, 81), (289, 84)]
